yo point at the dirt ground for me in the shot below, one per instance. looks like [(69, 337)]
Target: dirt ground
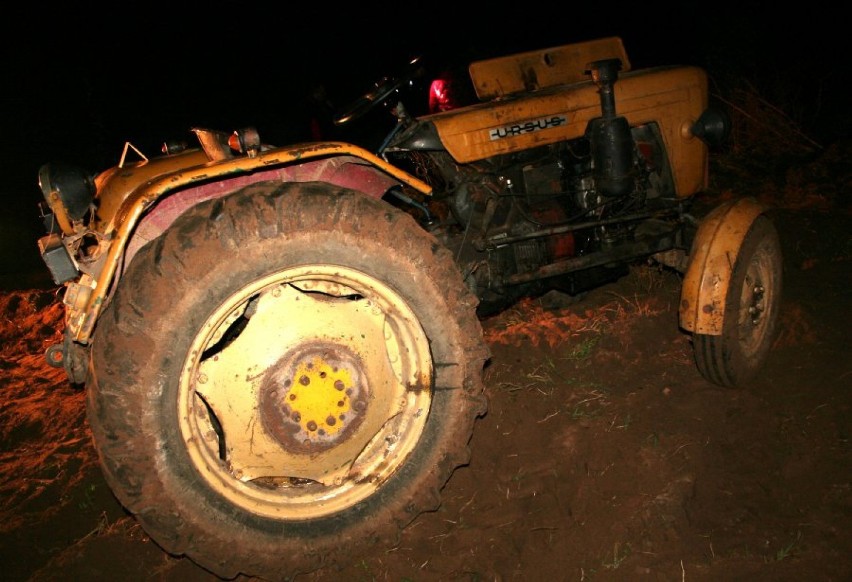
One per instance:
[(604, 454)]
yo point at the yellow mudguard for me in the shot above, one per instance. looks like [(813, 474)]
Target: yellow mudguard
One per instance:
[(714, 253)]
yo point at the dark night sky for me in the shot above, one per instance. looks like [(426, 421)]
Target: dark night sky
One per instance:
[(81, 82), (76, 83)]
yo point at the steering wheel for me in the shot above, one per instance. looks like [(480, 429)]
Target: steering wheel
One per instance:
[(383, 89)]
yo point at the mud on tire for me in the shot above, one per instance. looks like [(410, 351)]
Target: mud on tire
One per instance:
[(285, 376)]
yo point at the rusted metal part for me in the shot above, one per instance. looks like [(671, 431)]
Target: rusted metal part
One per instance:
[(713, 256), (621, 253), (315, 398)]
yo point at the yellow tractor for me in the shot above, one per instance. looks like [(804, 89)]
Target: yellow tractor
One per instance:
[(282, 347)]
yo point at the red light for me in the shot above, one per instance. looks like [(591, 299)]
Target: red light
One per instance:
[(441, 96)]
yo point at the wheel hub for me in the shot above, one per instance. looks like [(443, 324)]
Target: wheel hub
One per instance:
[(314, 398), (756, 307), (755, 299)]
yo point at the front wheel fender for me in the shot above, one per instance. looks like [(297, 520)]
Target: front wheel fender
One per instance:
[(713, 256)]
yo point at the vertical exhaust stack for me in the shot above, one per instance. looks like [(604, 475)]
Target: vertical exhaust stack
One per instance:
[(611, 141)]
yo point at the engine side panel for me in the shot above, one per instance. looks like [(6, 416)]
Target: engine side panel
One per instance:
[(673, 97)]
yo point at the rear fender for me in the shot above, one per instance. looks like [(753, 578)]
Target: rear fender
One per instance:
[(151, 208), (344, 170), (714, 253)]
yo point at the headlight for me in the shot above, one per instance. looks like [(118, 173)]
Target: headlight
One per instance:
[(69, 191)]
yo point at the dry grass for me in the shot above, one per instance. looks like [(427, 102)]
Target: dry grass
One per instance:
[(580, 327)]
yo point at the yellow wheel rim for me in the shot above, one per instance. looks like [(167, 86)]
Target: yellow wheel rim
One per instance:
[(304, 392)]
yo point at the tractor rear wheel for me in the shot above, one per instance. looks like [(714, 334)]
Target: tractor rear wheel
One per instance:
[(285, 377)]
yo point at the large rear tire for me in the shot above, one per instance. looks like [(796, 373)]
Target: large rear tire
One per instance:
[(284, 377), (751, 311)]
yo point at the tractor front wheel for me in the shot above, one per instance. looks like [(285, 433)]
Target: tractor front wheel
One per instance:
[(751, 311)]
